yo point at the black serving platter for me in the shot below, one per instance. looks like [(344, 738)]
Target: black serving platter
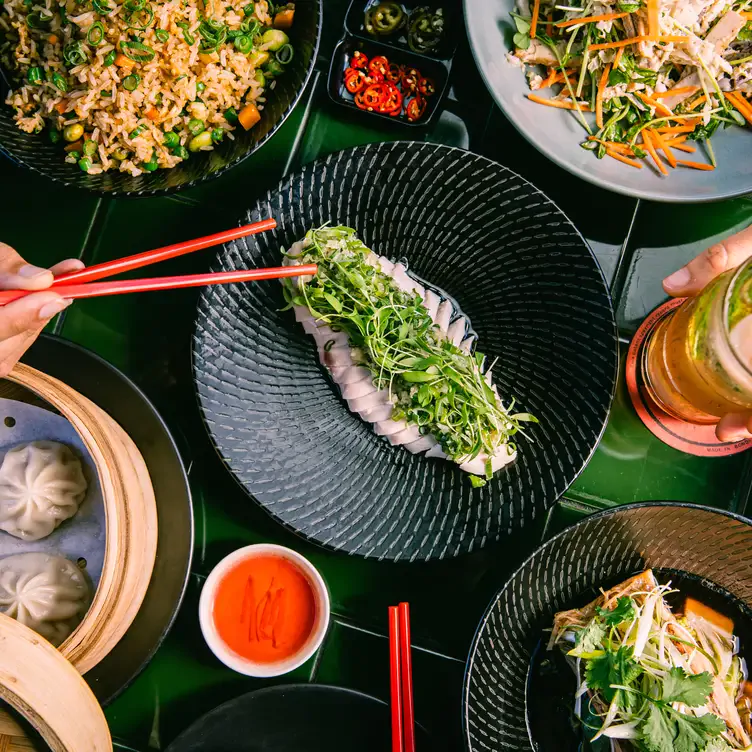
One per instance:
[(355, 25), (437, 71), (104, 385)]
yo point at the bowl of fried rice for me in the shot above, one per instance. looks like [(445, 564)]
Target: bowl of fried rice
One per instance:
[(148, 97)]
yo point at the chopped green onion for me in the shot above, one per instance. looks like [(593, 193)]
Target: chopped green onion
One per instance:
[(189, 38), (213, 35), (106, 93), (109, 58), (85, 164), (249, 10), (250, 26), (273, 68), (181, 151), (161, 35), (137, 131), (196, 126), (285, 54), (231, 115), (131, 82), (200, 86), (95, 35), (38, 20), (243, 44), (217, 135), (171, 140), (141, 19), (74, 53), (60, 81), (34, 76), (137, 51), (102, 7)]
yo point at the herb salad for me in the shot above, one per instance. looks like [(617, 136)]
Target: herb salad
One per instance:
[(400, 360)]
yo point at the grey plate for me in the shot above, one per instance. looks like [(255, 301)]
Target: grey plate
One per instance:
[(557, 134)]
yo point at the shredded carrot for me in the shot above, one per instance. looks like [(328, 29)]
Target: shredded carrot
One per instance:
[(698, 102), (684, 147), (60, 106), (602, 84), (634, 40), (675, 92), (661, 144), (647, 140), (740, 104), (554, 77), (625, 160), (534, 19), (695, 165), (654, 28), (581, 106), (673, 141), (746, 14), (614, 145), (677, 129), (549, 25), (617, 59), (591, 19), (665, 111)]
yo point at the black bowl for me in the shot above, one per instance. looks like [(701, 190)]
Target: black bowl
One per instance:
[(37, 153), (709, 546), (536, 298)]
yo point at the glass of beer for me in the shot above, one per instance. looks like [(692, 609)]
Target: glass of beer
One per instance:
[(697, 362)]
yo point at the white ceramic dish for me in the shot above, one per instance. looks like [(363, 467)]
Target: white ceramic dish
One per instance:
[(239, 663)]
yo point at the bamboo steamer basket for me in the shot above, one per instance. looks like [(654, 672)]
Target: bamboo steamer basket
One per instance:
[(130, 514), (49, 693)]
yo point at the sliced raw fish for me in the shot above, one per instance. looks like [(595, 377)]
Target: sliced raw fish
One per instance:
[(349, 374), (358, 388), (375, 399), (337, 356), (389, 427), (376, 414), (431, 301), (385, 264), (407, 435), (456, 331), (404, 281), (467, 344), (422, 444), (444, 315), (436, 451)]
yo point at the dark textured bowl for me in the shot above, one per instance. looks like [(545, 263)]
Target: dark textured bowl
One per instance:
[(37, 153), (563, 573), (535, 296), (310, 717), (102, 383)]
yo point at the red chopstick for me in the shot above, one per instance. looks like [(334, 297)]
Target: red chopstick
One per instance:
[(119, 287), (395, 683), (406, 672), (129, 263)]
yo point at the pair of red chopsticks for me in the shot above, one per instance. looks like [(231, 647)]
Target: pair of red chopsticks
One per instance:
[(81, 284), (401, 675)]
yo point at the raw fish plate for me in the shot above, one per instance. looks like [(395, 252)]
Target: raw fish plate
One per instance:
[(536, 299)]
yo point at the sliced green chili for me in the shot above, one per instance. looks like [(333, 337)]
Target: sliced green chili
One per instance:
[(137, 51), (243, 44), (95, 35), (131, 82), (161, 35), (285, 54), (60, 81)]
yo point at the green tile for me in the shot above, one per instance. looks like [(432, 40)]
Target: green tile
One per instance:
[(359, 659), (632, 465), (666, 236), (183, 682)]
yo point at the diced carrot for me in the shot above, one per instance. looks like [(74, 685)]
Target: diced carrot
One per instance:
[(665, 111), (602, 84), (534, 18), (654, 28), (75, 146), (591, 19), (581, 106), (249, 116), (648, 142), (122, 61), (617, 59), (61, 106), (661, 144), (284, 19), (693, 607), (626, 160), (152, 113), (675, 92), (53, 39), (634, 40)]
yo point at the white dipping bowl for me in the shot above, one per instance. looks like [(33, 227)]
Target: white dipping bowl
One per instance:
[(228, 656)]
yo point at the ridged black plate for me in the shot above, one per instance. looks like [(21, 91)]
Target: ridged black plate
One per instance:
[(599, 551), (37, 153), (533, 292)]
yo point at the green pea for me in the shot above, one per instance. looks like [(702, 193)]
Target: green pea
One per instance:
[(231, 115), (260, 77), (74, 155), (273, 39), (196, 126), (258, 57), (55, 135), (181, 151), (73, 132), (90, 148), (171, 140), (199, 142), (200, 87), (217, 135), (85, 164), (151, 165)]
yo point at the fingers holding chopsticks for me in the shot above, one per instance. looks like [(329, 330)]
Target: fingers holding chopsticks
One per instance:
[(17, 274)]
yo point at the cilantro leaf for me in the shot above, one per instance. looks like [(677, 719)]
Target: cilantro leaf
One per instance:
[(624, 610), (659, 731), (589, 639), (691, 689), (612, 668), (694, 733), (745, 35)]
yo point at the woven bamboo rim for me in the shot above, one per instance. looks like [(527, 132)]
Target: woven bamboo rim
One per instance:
[(49, 693), (130, 513)]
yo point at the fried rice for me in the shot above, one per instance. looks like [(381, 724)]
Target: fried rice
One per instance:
[(143, 78)]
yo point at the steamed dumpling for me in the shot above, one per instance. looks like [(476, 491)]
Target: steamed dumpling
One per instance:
[(41, 485), (48, 594)]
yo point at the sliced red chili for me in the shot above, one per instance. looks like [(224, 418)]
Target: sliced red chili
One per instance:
[(355, 80), (426, 87), (410, 79), (379, 64), (394, 74), (359, 60), (392, 105), (360, 101), (374, 78), (374, 96), (416, 108)]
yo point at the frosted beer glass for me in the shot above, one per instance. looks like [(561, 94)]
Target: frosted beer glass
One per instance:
[(697, 363)]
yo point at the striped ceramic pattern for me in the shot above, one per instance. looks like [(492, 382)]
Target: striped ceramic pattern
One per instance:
[(520, 271), (37, 153), (601, 549)]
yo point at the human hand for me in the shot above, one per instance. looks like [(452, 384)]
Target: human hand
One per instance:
[(690, 280), (22, 320)]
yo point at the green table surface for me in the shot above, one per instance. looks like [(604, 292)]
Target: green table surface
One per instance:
[(149, 338)]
